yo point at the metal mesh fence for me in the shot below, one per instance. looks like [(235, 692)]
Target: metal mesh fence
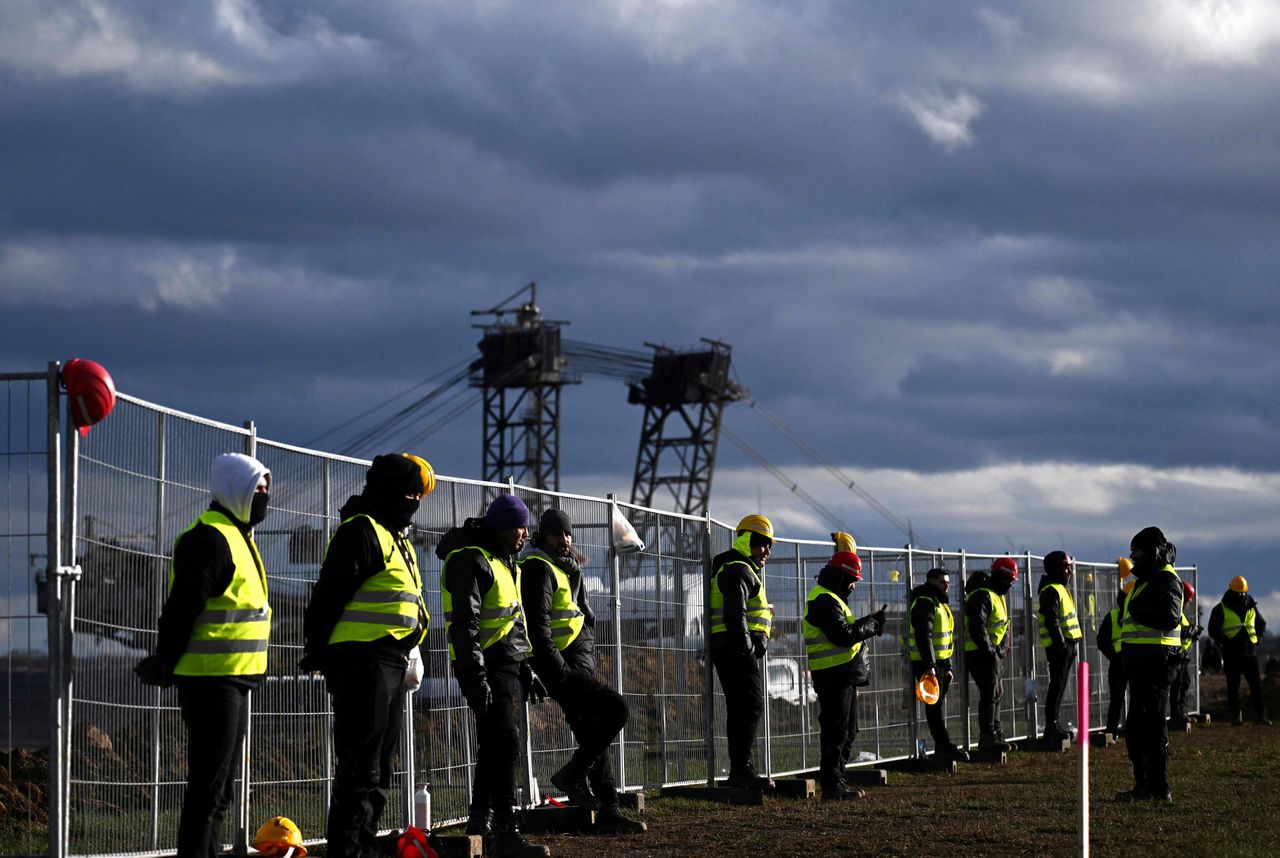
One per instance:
[(140, 479)]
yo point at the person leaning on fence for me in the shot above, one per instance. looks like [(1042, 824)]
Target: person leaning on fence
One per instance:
[(214, 630), (1235, 626), (554, 597), (741, 618), (489, 651), (838, 661), (930, 643), (1059, 635), (1150, 646), (1109, 646), (1189, 633), (362, 628), (987, 643)]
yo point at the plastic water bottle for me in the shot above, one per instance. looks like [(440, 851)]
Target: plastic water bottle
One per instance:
[(422, 808)]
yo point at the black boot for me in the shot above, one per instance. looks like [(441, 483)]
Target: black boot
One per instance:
[(506, 841), (837, 790), (572, 781), (478, 820), (610, 820)]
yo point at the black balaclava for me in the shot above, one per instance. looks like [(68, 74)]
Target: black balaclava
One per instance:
[(1055, 566), (1159, 551), (390, 479)]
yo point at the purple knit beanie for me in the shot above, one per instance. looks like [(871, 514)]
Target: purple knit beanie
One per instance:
[(507, 512)]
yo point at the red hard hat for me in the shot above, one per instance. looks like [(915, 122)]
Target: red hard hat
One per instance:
[(1188, 592), (413, 843), (1005, 566), (91, 393), (847, 561)]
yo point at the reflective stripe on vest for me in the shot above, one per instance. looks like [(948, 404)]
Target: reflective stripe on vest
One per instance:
[(230, 635), (1113, 617), (499, 606), (566, 618), (389, 602), (1067, 618), (1133, 632), (1232, 624), (820, 649), (943, 628), (758, 610), (1184, 630), (997, 619)]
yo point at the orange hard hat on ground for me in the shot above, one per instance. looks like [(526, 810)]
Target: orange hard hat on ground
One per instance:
[(279, 837), (91, 393), (927, 691)]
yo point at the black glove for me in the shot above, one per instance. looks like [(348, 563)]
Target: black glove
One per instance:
[(151, 671), (479, 697), (537, 691), (878, 616), (759, 645), (311, 662)]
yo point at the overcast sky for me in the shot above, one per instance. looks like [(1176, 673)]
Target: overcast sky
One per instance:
[(1012, 266)]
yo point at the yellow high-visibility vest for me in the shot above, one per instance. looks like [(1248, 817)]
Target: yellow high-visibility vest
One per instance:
[(1069, 621), (997, 619), (389, 602), (822, 652), (566, 617), (943, 630), (1132, 632), (499, 606)]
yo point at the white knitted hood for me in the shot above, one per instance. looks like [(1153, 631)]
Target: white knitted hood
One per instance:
[(235, 476)]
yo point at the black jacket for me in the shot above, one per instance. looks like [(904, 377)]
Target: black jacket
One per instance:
[(827, 617), (1051, 608), (922, 613), (738, 588), (354, 556), (1106, 637), (467, 576), (977, 610), (1157, 605), (537, 585), (1240, 644)]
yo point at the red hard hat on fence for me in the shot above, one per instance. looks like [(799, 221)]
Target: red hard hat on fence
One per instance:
[(91, 393), (1188, 592)]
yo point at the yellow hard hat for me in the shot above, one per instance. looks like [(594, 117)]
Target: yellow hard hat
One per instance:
[(1126, 566), (1239, 584), (428, 473), (277, 836), (844, 542), (927, 691), (757, 524)]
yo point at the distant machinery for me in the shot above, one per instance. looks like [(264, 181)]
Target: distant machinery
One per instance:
[(521, 371), (684, 398)]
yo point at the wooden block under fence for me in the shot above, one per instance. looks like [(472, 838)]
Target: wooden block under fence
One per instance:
[(997, 758), (929, 764), (866, 777), (631, 801), (461, 846), (1202, 718), (1054, 746), (721, 794), (795, 787), (1102, 740), (558, 820)]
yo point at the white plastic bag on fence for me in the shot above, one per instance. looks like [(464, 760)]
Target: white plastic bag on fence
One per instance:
[(413, 676), (625, 538)]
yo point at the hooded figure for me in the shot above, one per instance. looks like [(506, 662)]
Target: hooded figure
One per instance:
[(834, 642), (1059, 635), (364, 622), (1150, 644), (214, 631)]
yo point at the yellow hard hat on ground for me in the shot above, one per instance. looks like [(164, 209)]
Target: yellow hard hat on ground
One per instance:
[(278, 836), (1239, 584), (927, 691), (757, 524)]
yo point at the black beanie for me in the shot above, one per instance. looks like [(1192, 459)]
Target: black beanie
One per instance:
[(1148, 539), (393, 476), (555, 521)]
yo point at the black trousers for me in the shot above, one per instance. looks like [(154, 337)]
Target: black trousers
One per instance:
[(935, 715), (498, 745), (1178, 690), (1235, 666), (1117, 682), (985, 672), (742, 681), (596, 714), (216, 713), (1061, 659), (1150, 669), (837, 720), (368, 712)]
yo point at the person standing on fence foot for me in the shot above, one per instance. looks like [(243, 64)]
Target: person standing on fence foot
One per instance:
[(1150, 646), (1190, 633), (214, 629), (1109, 646), (838, 661), (488, 651), (1235, 626), (741, 618), (930, 643), (362, 627), (987, 644), (1060, 637), (554, 597)]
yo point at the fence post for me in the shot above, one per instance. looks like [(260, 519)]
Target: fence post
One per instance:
[(962, 674), (871, 594), (1032, 636), (907, 643), (804, 665), (615, 565), (58, 762), (159, 549), (240, 836), (708, 673)]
